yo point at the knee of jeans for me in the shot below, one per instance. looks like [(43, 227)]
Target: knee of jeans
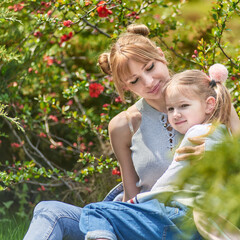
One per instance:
[(45, 206)]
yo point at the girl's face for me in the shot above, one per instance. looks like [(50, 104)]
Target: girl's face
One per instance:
[(147, 80), (185, 112)]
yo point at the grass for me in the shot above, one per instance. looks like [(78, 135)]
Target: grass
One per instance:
[(12, 228)]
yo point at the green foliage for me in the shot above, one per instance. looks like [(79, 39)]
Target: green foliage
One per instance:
[(218, 174), (52, 85)]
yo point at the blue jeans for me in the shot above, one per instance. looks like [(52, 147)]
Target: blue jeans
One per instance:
[(53, 220), (143, 221)]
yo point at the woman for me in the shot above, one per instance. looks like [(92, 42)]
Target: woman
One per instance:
[(141, 136)]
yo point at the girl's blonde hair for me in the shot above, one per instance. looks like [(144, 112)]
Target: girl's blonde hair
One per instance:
[(196, 82), (135, 45)]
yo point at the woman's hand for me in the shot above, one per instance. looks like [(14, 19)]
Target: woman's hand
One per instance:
[(190, 152)]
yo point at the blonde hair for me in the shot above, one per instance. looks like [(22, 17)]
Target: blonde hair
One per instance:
[(135, 45), (196, 82)]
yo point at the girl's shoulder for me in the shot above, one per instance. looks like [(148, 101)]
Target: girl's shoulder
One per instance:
[(206, 130)]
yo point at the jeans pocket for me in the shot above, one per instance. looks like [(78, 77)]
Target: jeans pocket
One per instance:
[(172, 212)]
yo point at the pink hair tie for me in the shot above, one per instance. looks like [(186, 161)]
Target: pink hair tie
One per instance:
[(217, 73)]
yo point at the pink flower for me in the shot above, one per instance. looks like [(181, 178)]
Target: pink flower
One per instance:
[(17, 7), (54, 118), (95, 89), (118, 99), (106, 105), (70, 102), (15, 145), (42, 134)]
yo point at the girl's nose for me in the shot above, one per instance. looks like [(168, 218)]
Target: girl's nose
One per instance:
[(176, 114)]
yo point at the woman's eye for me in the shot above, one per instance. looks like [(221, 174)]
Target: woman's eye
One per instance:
[(135, 81), (151, 67)]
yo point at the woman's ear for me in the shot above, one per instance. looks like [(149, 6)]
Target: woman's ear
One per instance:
[(210, 105)]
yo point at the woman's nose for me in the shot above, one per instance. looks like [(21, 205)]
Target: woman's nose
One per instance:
[(148, 80)]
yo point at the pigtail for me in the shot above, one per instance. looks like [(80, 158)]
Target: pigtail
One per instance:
[(218, 74)]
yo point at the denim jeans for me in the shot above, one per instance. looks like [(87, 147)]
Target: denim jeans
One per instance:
[(53, 220), (143, 221)]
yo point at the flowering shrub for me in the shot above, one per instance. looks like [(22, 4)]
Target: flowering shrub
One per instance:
[(95, 89), (51, 83)]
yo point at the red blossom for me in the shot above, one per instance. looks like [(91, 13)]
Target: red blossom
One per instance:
[(67, 23), (102, 10), (95, 89), (66, 37), (54, 118), (30, 70), (37, 34), (115, 171), (17, 7), (118, 99), (70, 102), (42, 134), (46, 4), (106, 105), (49, 12), (49, 60), (90, 144), (15, 145)]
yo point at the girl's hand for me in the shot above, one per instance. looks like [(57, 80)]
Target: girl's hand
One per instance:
[(191, 153)]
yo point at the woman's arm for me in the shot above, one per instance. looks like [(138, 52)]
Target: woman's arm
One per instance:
[(120, 137)]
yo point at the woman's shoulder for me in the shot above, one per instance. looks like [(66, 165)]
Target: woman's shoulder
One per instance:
[(126, 120)]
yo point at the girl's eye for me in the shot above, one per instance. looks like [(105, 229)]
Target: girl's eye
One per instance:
[(135, 81), (151, 67), (170, 109), (185, 105)]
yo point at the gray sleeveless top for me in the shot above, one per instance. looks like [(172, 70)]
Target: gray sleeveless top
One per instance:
[(151, 145)]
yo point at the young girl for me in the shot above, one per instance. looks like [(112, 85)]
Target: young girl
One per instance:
[(193, 102), (141, 136)]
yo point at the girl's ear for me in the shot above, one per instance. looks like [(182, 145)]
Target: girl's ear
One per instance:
[(210, 105)]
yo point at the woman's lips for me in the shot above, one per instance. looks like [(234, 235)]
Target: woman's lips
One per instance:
[(155, 88)]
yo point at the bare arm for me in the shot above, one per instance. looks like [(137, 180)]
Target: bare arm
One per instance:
[(120, 137)]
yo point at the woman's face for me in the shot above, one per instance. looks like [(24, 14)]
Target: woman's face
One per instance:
[(147, 80)]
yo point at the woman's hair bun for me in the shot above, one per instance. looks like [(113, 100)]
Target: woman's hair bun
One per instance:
[(104, 64), (218, 72), (138, 29)]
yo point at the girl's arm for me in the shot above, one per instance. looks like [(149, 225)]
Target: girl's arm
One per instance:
[(120, 137)]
